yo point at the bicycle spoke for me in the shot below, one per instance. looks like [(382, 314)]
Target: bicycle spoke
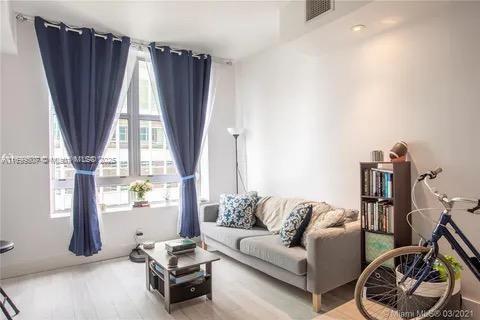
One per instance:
[(385, 290)]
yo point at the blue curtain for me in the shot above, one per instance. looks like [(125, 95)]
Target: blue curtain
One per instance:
[(85, 75), (183, 84)]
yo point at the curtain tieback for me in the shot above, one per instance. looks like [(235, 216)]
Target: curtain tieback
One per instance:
[(85, 172), (188, 177)]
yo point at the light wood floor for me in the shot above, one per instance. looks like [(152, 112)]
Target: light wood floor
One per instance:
[(115, 289)]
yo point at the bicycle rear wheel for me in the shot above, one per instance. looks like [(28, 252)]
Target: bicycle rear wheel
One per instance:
[(382, 289)]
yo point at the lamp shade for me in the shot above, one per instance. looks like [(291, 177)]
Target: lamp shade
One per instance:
[(235, 131)]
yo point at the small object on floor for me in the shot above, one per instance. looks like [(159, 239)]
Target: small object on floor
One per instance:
[(172, 261), (137, 256), (149, 245)]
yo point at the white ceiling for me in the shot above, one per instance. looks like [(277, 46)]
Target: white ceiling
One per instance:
[(227, 29), (232, 29)]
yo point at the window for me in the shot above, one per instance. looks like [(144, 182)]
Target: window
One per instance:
[(138, 146)]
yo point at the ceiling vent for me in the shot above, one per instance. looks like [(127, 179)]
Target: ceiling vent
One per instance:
[(315, 8)]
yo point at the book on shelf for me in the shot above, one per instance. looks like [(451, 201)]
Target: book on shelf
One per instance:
[(378, 216), (378, 182), (188, 270), (178, 279)]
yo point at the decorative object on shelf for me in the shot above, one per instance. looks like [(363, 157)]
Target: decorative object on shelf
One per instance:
[(377, 155), (172, 261), (140, 188), (236, 132), (398, 153), (149, 244)]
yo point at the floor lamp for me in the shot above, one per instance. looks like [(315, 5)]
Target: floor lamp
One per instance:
[(235, 132)]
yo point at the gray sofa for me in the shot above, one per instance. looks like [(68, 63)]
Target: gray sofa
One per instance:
[(331, 259)]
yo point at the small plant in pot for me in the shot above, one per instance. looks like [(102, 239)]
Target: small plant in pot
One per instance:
[(433, 286), (140, 189)]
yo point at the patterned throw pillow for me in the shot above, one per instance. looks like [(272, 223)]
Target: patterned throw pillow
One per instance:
[(295, 224), (237, 210)]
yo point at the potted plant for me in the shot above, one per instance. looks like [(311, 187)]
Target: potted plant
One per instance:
[(434, 286), (140, 189)]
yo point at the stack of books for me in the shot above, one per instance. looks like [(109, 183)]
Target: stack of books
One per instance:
[(378, 216), (141, 204), (180, 246), (182, 276), (378, 182)]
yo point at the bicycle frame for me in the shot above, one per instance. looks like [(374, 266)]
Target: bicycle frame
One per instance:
[(440, 231)]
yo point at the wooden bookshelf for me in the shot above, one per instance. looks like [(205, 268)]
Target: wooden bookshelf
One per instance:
[(400, 201)]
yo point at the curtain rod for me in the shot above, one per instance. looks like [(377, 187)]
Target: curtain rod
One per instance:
[(134, 42)]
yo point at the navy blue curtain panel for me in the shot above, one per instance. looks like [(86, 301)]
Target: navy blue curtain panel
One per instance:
[(85, 74), (183, 81)]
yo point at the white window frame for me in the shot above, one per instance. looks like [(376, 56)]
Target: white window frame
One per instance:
[(134, 118)]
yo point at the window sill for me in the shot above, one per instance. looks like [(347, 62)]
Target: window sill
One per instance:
[(125, 209), (130, 208)]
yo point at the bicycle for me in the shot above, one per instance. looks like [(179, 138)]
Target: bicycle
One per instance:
[(405, 283)]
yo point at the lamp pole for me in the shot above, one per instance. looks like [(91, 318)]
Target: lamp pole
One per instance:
[(236, 161), (236, 132)]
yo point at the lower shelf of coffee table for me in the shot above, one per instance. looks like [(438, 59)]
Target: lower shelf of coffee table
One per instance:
[(184, 291)]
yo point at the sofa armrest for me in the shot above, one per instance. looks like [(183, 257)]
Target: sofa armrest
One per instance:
[(208, 212), (333, 257)]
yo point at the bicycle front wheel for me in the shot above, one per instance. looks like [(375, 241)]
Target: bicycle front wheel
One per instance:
[(383, 290)]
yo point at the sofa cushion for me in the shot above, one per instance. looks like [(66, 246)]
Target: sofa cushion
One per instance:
[(230, 236), (270, 249), (237, 210)]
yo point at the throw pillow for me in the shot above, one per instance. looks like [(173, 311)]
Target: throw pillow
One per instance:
[(351, 215), (272, 211), (295, 224), (237, 210), (329, 219)]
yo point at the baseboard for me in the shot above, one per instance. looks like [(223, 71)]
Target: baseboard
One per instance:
[(61, 261), (473, 306)]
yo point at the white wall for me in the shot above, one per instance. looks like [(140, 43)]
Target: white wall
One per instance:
[(315, 107), (41, 242)]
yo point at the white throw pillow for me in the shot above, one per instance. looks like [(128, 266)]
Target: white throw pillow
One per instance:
[(272, 211)]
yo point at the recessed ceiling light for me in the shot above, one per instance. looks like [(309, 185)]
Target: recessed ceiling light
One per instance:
[(389, 21), (358, 27)]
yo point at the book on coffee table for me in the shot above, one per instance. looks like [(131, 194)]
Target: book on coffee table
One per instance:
[(180, 246)]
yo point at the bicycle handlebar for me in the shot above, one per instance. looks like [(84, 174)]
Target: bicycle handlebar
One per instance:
[(448, 203), (430, 174)]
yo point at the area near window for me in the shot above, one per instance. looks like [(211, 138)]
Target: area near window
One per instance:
[(139, 145)]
